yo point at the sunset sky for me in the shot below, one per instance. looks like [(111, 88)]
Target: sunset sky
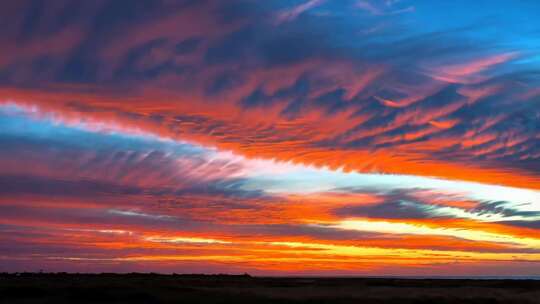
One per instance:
[(274, 137)]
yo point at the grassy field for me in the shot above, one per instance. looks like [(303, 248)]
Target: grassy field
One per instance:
[(155, 288)]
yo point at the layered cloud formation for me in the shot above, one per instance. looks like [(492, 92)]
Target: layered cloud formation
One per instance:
[(274, 137)]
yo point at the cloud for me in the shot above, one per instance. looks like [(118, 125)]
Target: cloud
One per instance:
[(469, 71), (380, 8), (236, 120), (293, 13)]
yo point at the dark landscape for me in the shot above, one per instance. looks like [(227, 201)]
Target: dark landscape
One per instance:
[(156, 288)]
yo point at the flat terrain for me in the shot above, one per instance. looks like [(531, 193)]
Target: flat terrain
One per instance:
[(154, 288)]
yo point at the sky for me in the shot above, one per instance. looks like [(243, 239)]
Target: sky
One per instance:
[(282, 137)]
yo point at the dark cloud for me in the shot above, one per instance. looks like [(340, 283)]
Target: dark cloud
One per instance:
[(500, 209), (31, 185), (392, 209), (524, 224)]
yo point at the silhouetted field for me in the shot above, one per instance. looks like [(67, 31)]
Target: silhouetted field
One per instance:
[(155, 288)]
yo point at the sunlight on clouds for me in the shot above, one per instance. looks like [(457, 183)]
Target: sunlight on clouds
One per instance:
[(304, 184), (371, 252), (195, 240), (418, 229)]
